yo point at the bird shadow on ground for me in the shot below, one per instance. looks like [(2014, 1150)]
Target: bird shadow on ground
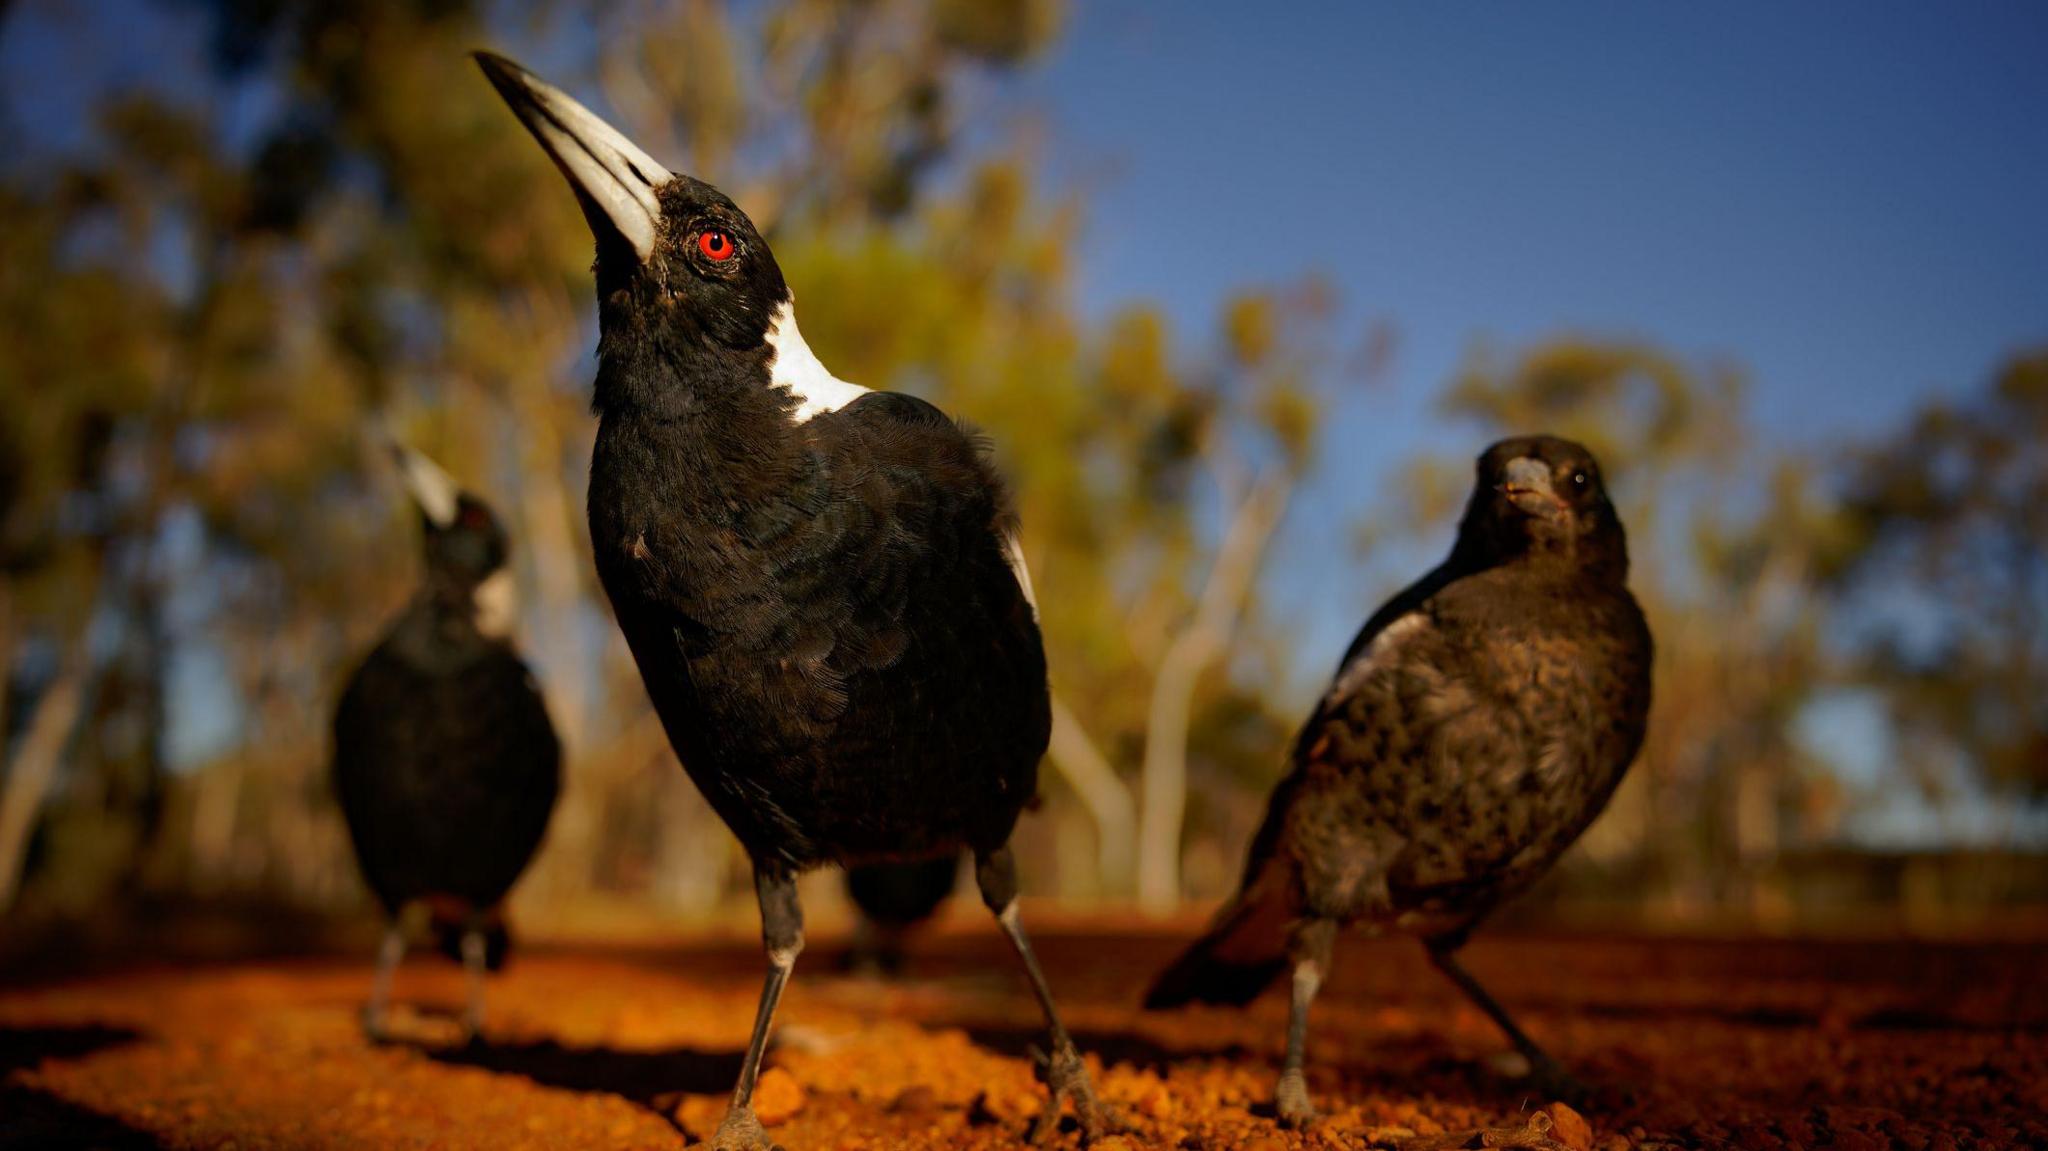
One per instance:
[(653, 1079), (39, 1119), (23, 1047), (1112, 1047)]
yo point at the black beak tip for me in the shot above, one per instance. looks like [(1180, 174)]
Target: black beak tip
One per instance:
[(504, 74)]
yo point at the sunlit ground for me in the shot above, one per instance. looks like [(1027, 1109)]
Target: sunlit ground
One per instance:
[(1701, 1043)]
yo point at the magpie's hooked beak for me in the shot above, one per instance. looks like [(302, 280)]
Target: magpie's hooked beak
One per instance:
[(614, 180), (434, 490), (1528, 486)]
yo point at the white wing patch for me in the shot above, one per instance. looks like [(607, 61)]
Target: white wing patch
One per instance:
[(1376, 653), (797, 368), (1013, 547)]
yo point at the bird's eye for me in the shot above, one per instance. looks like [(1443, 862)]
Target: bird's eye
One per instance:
[(717, 246), (1579, 478)]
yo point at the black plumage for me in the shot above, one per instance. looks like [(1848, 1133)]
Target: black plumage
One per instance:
[(893, 899), (819, 582), (1477, 725), (445, 762)]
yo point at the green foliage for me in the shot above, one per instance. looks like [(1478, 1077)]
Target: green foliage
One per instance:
[(217, 326), (1949, 518)]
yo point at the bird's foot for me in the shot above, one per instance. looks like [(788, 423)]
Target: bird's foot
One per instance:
[(1066, 1080), (1550, 1079), (376, 1023), (472, 1028), (741, 1130), (1291, 1102), (1538, 1073)]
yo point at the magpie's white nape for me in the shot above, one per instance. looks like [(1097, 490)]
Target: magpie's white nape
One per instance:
[(820, 583)]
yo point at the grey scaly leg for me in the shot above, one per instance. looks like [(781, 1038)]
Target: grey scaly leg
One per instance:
[(474, 953), (1065, 1076), (1546, 1071), (782, 931), (389, 953), (1310, 950)]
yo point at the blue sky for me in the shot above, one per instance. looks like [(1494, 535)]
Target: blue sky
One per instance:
[(1845, 200)]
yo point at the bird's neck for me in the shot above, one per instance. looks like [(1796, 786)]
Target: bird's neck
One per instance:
[(709, 403), (489, 607)]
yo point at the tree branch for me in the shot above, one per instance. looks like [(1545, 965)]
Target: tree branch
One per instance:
[(1078, 760), (35, 767), (1192, 652)]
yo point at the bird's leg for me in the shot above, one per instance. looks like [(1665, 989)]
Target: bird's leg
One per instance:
[(475, 953), (1544, 1070), (389, 953), (782, 931), (1065, 1076), (1309, 947)]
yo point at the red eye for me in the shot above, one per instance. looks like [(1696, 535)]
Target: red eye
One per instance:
[(716, 246)]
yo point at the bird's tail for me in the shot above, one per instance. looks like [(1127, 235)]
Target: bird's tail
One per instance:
[(1242, 953), (448, 932)]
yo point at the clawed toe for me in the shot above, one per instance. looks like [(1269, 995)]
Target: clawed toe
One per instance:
[(742, 1131), (1291, 1102), (1066, 1080)]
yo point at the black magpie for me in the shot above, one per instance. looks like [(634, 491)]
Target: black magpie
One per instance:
[(821, 584), (445, 762)]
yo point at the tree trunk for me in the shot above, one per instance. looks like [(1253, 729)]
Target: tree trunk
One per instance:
[(1077, 759), (1193, 651), (34, 769)]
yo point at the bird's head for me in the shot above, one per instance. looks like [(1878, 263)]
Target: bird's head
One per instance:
[(668, 246), (466, 547), (1542, 495)]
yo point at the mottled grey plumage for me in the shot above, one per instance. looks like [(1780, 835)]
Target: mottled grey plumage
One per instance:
[(1479, 722)]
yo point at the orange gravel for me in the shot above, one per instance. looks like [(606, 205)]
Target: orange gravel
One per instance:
[(1931, 1047)]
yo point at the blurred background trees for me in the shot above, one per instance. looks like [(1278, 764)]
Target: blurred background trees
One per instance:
[(211, 287)]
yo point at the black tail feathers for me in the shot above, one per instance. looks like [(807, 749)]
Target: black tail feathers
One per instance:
[(497, 940), (1244, 951)]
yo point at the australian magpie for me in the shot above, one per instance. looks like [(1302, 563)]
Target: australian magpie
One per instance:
[(444, 759), (821, 584), (894, 897), (1476, 726)]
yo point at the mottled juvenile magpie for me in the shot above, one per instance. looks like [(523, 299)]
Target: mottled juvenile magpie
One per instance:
[(821, 584), (445, 761), (893, 898), (1478, 723)]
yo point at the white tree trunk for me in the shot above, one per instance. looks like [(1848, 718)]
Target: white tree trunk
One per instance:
[(34, 768), (1193, 651), (1077, 759)]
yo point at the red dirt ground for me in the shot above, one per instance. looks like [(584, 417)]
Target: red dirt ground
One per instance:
[(1753, 1045)]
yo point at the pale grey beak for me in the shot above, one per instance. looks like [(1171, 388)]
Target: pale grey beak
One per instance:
[(613, 178), (1527, 474), (434, 490)]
